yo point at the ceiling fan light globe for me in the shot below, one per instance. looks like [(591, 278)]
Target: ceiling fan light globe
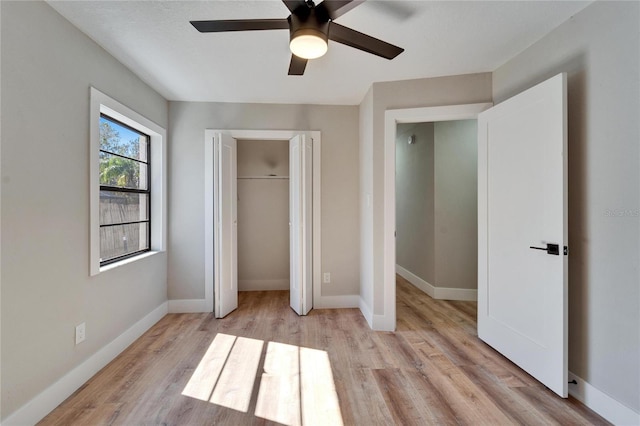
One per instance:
[(308, 46)]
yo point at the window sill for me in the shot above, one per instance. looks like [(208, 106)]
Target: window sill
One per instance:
[(127, 261)]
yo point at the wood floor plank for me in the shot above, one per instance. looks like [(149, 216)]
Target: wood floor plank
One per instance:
[(432, 371), (400, 398)]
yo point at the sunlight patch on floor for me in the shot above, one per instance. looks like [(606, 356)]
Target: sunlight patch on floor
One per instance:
[(279, 395), (206, 375), (319, 398), (296, 385), (235, 384)]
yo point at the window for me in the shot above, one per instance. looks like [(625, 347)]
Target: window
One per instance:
[(127, 185), (125, 191)]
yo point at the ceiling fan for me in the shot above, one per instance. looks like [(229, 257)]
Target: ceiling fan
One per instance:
[(310, 27)]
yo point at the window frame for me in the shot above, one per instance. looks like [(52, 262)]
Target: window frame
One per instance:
[(122, 189), (102, 104)]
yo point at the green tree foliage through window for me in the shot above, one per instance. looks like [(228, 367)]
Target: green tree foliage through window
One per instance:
[(119, 170)]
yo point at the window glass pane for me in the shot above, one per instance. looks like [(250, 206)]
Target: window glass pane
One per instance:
[(121, 240), (121, 140), (122, 172), (122, 207)]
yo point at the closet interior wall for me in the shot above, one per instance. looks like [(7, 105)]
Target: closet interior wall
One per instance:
[(263, 215)]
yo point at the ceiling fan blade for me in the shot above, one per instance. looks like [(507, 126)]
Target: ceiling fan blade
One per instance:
[(292, 5), (336, 8), (363, 42), (240, 25), (297, 65)]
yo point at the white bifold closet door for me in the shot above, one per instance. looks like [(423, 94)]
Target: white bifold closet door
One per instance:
[(226, 225), (300, 223), (522, 231)]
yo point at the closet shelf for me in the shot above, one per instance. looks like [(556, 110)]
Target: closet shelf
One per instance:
[(263, 177)]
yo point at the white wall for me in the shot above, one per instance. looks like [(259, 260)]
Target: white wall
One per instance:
[(263, 215), (599, 48), (47, 68), (456, 204), (339, 219), (415, 220), (454, 90)]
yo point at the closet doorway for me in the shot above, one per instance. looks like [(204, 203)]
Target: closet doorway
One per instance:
[(244, 168), (263, 215)]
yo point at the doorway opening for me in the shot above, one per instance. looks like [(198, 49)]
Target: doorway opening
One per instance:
[(436, 207), (221, 215), (263, 215), (522, 225), (393, 118)]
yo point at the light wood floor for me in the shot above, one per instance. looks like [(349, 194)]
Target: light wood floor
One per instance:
[(432, 370)]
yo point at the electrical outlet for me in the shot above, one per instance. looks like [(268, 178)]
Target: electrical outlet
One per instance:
[(326, 278), (80, 333)]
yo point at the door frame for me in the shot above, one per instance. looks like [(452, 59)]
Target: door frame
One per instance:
[(209, 201), (392, 118)]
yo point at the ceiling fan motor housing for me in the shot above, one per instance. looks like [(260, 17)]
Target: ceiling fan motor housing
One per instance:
[(308, 24)]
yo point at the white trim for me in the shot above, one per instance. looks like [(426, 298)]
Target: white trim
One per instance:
[(317, 218), (101, 103), (36, 409), (188, 306), (336, 302), (263, 285), (376, 322), (416, 281), (440, 293), (209, 202), (127, 261), (391, 119), (366, 312), (601, 403), (383, 323), (209, 225), (450, 293)]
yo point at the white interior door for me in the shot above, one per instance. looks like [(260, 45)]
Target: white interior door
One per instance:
[(300, 223), (522, 231), (226, 229)]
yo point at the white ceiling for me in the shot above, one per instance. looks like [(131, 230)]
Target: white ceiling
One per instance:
[(155, 40)]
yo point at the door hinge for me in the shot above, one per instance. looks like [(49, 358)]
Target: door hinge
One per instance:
[(566, 251)]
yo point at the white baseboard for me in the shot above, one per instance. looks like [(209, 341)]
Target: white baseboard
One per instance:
[(262, 285), (443, 293), (188, 306), (383, 323), (465, 294), (366, 312), (416, 281), (336, 302), (183, 306), (601, 403), (376, 322), (36, 409)]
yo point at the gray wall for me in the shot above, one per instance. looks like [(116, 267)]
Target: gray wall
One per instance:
[(599, 49), (437, 202), (456, 204), (47, 68), (415, 220), (454, 90), (339, 218), (263, 216)]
